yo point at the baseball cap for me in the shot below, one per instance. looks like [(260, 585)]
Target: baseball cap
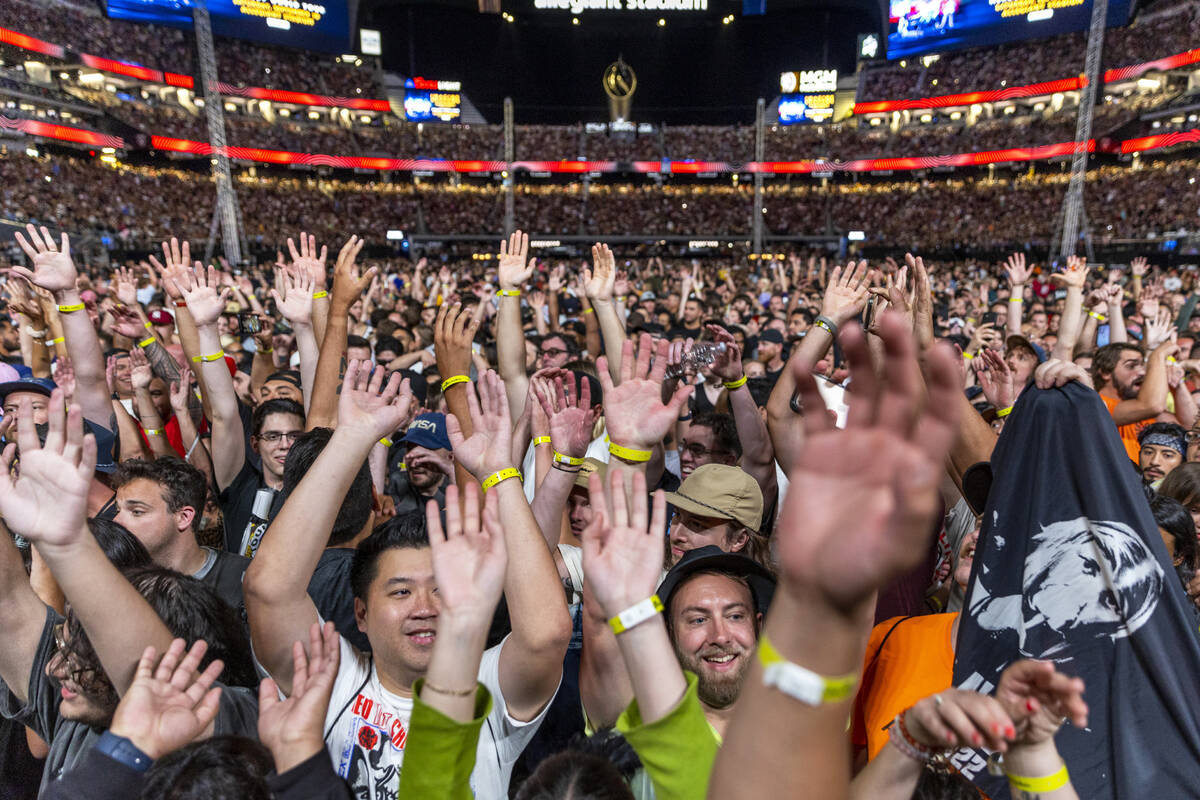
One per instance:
[(428, 431), (161, 317), (42, 386), (721, 491), (596, 391), (571, 305), (647, 296), (8, 373), (771, 335), (1021, 342), (106, 446), (711, 557)]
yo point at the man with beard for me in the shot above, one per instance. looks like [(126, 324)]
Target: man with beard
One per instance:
[(1133, 386), (1163, 448), (428, 465)]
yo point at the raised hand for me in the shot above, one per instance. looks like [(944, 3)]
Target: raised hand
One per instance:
[(598, 282), (291, 728), (368, 406), (858, 511), (1075, 275), (728, 364), (623, 544), (23, 299), (922, 305), (489, 449), (204, 301), (348, 284), (1139, 267), (178, 261), (558, 276), (984, 335), (454, 336), (180, 391), (1056, 373), (293, 295), (47, 501), (64, 376), (140, 373), (168, 706), (308, 262), (124, 284), (634, 411), (569, 412), (469, 559), (1018, 273), (1039, 699), (621, 284), (1158, 328), (53, 268), (995, 378), (513, 270), (127, 322)]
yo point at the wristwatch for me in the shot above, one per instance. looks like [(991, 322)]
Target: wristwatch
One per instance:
[(120, 749)]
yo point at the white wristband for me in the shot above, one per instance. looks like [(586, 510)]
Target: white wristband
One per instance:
[(636, 614)]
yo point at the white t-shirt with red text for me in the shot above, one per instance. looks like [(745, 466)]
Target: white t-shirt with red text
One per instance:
[(367, 730)]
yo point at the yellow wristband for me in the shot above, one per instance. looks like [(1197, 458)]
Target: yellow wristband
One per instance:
[(1040, 785), (502, 475), (195, 359), (59, 340), (1016, 299), (509, 292), (153, 431), (70, 308), (967, 355), (217, 356), (739, 383), (266, 350), (636, 614), (454, 380), (629, 454), (147, 325), (1004, 412), (789, 678), (319, 295), (149, 340), (589, 310), (559, 458), (1098, 317), (386, 442), (538, 441)]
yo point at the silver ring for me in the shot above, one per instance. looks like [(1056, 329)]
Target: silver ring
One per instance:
[(937, 700)]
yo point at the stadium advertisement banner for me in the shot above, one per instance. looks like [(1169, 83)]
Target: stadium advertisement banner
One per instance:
[(805, 108), (916, 27), (432, 101), (303, 24)]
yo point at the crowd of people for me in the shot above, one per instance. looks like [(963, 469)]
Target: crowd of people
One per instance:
[(137, 205), (1162, 29), (82, 27), (332, 528)]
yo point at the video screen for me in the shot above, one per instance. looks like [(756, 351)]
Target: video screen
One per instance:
[(916, 27), (424, 105), (796, 109), (322, 25)]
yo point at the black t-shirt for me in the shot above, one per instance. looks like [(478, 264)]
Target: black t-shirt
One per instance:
[(332, 595), (237, 505), (405, 495), (683, 332), (223, 572), (70, 740), (20, 772)]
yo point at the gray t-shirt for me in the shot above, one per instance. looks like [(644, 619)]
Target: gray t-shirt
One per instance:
[(69, 740)]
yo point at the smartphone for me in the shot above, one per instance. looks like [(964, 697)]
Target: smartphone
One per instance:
[(249, 322), (869, 312), (988, 318)]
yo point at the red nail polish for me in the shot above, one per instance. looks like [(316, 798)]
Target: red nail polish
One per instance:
[(976, 738), (1010, 732), (1029, 705)]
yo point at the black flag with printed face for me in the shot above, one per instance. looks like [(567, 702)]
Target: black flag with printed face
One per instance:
[(1070, 567)]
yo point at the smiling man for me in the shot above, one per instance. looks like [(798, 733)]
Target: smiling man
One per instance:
[(717, 505)]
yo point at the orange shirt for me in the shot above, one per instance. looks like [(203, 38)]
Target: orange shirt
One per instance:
[(917, 660), (1129, 433)]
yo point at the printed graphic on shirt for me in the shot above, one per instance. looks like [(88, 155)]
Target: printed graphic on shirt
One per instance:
[(372, 750)]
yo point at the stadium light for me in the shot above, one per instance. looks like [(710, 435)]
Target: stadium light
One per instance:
[(856, 236), (662, 23)]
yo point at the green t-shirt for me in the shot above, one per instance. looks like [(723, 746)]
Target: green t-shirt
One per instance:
[(440, 755)]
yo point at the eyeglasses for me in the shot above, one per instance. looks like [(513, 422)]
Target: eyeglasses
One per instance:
[(271, 437), (1191, 437), (699, 450), (74, 671), (552, 352)]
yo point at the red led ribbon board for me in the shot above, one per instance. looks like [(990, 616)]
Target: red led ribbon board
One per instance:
[(63, 133), (31, 43), (1159, 141)]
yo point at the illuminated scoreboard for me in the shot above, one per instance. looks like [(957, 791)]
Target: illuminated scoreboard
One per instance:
[(808, 96), (303, 24), (432, 101)]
